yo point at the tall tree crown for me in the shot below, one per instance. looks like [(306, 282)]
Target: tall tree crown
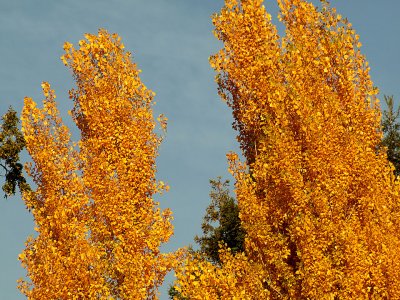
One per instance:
[(319, 204), (99, 230)]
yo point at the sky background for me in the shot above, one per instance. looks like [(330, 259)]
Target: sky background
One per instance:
[(171, 41)]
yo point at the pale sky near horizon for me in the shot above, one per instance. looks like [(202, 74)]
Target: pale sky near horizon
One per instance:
[(171, 42)]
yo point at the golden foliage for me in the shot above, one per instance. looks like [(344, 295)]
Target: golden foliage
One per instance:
[(99, 230), (318, 202), (237, 278)]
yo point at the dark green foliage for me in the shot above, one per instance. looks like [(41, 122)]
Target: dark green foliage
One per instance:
[(11, 144), (391, 131), (221, 223), (174, 294)]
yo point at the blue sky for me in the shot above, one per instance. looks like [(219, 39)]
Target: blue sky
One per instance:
[(171, 42)]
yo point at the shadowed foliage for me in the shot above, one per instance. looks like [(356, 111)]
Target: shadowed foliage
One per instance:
[(11, 144), (391, 131)]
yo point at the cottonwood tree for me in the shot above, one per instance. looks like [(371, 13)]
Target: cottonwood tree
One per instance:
[(318, 202), (98, 228)]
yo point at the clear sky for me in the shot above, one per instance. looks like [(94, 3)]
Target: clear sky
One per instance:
[(171, 41)]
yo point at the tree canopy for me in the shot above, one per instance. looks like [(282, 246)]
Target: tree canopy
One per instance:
[(99, 229), (318, 202), (316, 212)]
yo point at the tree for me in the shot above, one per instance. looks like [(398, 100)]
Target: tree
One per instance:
[(174, 294), (99, 230), (391, 130), (221, 223), (11, 144), (224, 210), (320, 206), (221, 227)]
